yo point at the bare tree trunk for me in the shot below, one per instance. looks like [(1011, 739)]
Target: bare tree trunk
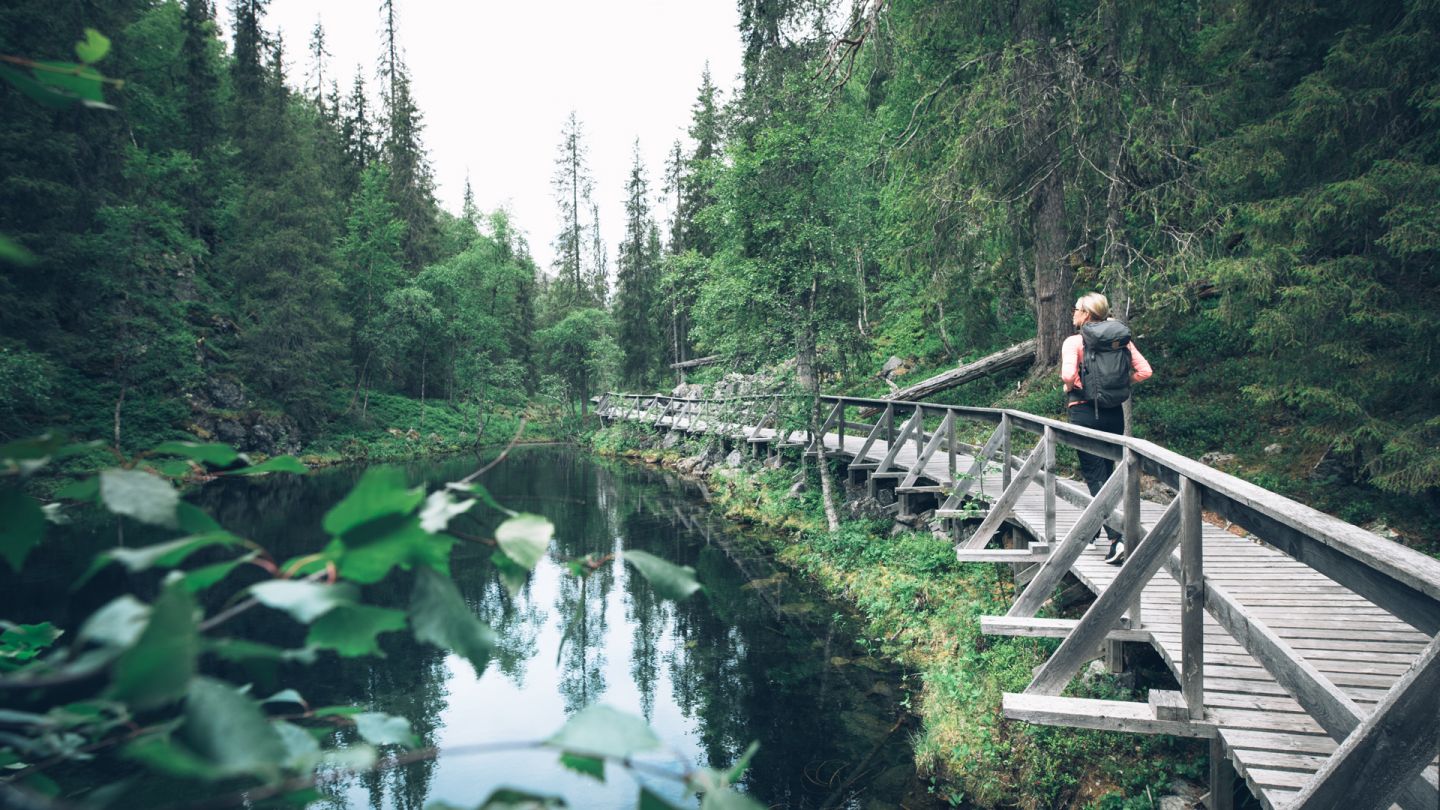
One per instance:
[(422, 392), (864, 325), (119, 402), (805, 369)]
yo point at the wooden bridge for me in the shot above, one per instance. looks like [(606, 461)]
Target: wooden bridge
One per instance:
[(1306, 653)]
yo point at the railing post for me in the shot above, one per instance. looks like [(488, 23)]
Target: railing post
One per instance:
[(841, 448), (950, 445), (1004, 455), (889, 425), (1192, 611), (1049, 467), (920, 432), (1133, 533)]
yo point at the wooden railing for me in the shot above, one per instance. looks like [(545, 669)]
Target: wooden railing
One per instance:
[(1382, 754)]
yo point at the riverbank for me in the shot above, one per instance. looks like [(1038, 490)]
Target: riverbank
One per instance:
[(922, 609), (392, 428)]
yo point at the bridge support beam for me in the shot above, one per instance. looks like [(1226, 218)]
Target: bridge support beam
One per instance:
[(1222, 778)]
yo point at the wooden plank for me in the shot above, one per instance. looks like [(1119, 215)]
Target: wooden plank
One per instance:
[(1331, 708), (1048, 468), (1107, 715), (1382, 759), (998, 555), (1031, 627), (1388, 574)]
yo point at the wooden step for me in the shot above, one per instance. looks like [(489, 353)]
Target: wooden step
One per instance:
[(1105, 715)]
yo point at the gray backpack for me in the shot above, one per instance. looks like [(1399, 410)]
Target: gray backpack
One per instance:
[(1105, 363)]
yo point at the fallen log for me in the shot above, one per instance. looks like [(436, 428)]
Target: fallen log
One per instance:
[(699, 361), (1016, 355)]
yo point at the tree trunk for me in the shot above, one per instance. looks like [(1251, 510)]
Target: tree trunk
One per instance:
[(1054, 277), (806, 372)]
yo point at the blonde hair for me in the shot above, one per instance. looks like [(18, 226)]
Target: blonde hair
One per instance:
[(1096, 304)]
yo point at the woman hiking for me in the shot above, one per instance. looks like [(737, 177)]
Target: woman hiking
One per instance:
[(1098, 364)]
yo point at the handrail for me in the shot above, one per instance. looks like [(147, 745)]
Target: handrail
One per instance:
[(1238, 500), (1396, 578)]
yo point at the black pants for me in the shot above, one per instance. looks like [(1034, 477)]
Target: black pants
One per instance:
[(1096, 470)]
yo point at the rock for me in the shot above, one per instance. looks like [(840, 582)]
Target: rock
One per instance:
[(435, 438), (230, 432), (670, 440), (898, 528), (225, 394), (1151, 489), (1379, 527), (1217, 459), (796, 489), (1095, 669), (688, 390), (733, 460), (891, 366), (1174, 803), (1332, 467), (885, 497), (1272, 449), (774, 462)]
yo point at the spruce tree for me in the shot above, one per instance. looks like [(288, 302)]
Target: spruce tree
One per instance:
[(572, 186), (412, 185), (637, 283)]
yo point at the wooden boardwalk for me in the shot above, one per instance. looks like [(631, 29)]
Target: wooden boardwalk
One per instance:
[(1280, 664)]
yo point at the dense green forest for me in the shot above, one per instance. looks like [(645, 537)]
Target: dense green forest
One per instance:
[(1254, 185)]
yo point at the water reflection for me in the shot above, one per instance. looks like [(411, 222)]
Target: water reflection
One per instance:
[(752, 658)]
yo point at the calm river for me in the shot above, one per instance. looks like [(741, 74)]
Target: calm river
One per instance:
[(753, 657)]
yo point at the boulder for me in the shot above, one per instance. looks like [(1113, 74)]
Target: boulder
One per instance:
[(1273, 449), (670, 440), (225, 394), (891, 366), (1217, 459), (734, 459)]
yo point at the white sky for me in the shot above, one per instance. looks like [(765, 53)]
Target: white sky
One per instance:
[(495, 81)]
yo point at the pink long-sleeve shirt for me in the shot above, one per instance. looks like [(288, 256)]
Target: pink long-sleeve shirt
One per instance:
[(1073, 349)]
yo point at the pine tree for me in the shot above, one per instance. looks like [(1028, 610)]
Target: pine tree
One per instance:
[(572, 185)]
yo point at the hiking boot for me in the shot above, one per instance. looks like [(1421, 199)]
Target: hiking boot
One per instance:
[(1117, 553)]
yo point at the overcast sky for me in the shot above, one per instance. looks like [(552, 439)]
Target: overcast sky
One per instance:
[(495, 81)]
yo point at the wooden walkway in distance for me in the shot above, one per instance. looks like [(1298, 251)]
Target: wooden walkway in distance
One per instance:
[(1339, 656)]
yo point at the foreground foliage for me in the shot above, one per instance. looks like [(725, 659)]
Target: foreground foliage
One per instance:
[(162, 676)]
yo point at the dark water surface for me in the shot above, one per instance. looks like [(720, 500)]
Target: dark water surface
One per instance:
[(754, 657)]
